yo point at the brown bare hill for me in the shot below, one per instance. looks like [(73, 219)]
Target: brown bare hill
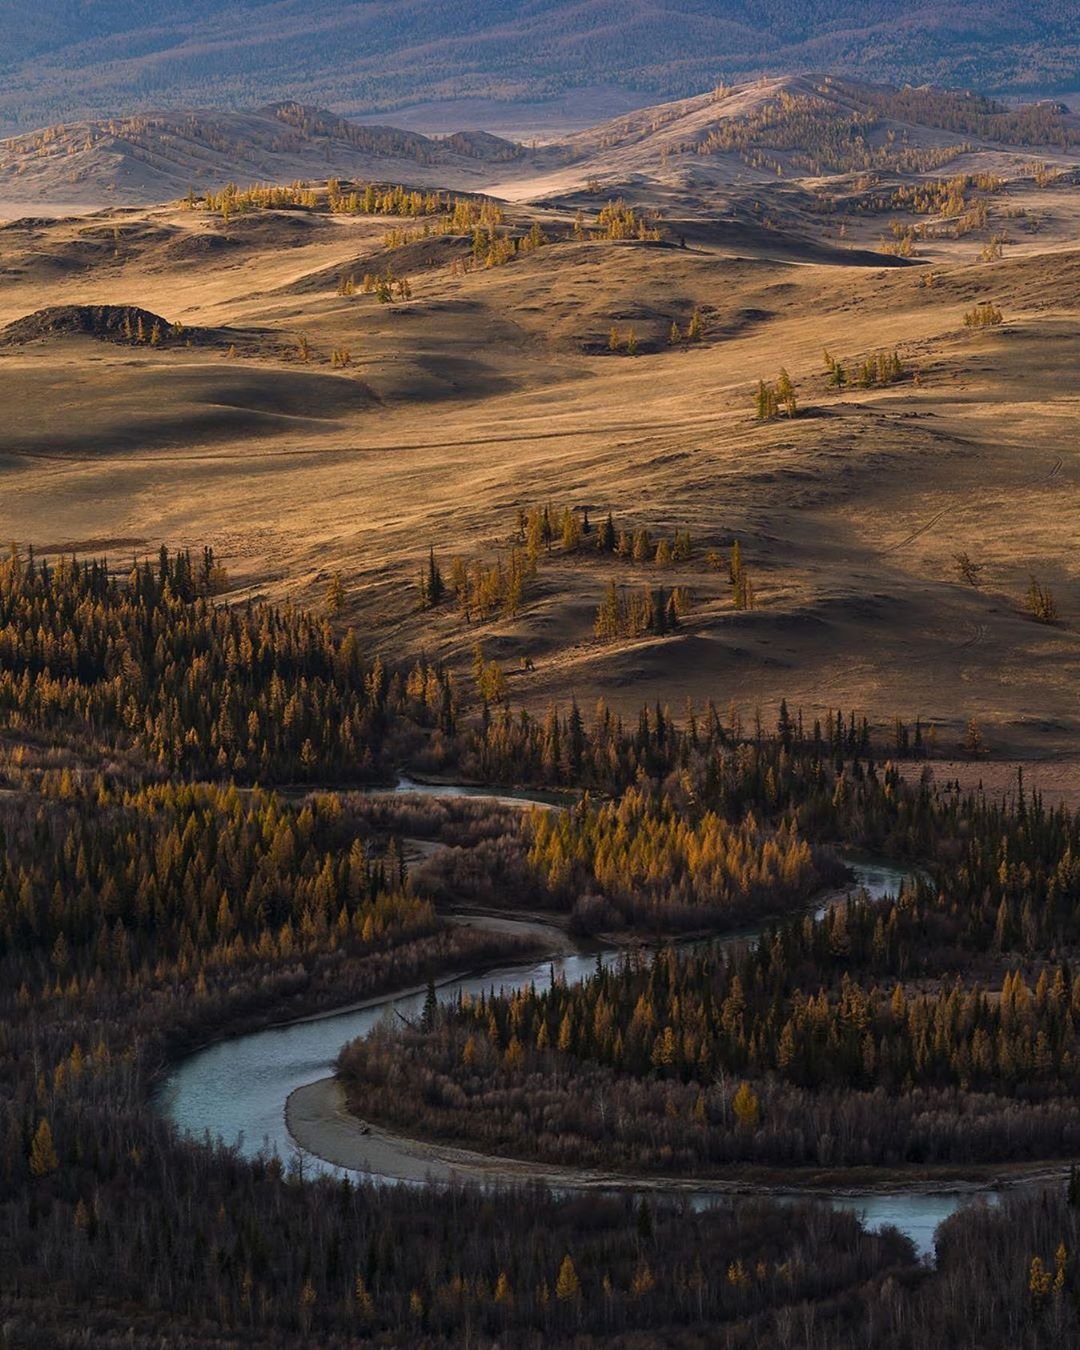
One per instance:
[(131, 326), (806, 127), (791, 128), (601, 365), (163, 155), (112, 323)]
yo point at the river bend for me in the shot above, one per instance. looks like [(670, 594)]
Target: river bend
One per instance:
[(236, 1090)]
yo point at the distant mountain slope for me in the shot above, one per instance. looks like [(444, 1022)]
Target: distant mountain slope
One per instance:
[(68, 59), (794, 127), (807, 125), (160, 156)]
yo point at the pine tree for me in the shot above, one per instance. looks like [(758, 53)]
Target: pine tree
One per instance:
[(607, 616), (658, 619), (973, 743), (571, 530), (432, 587), (1073, 1192), (575, 728), (784, 727), (785, 393), (746, 1106), (741, 591), (643, 1282), (365, 1304), (430, 1014), (1040, 602), (567, 1286), (43, 1159), (335, 595)]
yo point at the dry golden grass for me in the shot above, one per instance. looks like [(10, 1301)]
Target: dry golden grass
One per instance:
[(495, 389)]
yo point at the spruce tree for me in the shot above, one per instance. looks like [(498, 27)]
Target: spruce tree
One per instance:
[(432, 586)]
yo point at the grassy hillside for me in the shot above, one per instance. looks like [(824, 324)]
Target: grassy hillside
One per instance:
[(311, 415)]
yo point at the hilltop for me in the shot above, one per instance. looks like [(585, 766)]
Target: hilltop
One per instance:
[(161, 155), (792, 128)]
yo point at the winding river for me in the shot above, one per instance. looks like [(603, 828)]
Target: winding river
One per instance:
[(236, 1090)]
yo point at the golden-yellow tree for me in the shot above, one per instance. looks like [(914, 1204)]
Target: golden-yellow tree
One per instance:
[(43, 1159)]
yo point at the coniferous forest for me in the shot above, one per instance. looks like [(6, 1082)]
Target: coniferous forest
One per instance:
[(185, 854)]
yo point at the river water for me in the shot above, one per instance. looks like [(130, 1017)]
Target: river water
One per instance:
[(236, 1090)]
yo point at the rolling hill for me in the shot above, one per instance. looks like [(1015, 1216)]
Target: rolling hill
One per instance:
[(790, 128), (68, 61), (262, 378), (158, 156)]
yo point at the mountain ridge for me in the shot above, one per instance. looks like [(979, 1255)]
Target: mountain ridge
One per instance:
[(70, 61), (799, 126), (161, 155)]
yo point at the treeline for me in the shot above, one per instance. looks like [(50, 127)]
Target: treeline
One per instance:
[(443, 213), (690, 1018), (101, 884), (616, 221), (463, 1088), (371, 199), (184, 906), (944, 196), (232, 1251), (708, 767), (743, 762), (149, 662), (974, 114), (816, 135), (641, 1068)]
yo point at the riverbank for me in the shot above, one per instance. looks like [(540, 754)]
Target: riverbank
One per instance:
[(318, 1118), (504, 946), (539, 940)]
